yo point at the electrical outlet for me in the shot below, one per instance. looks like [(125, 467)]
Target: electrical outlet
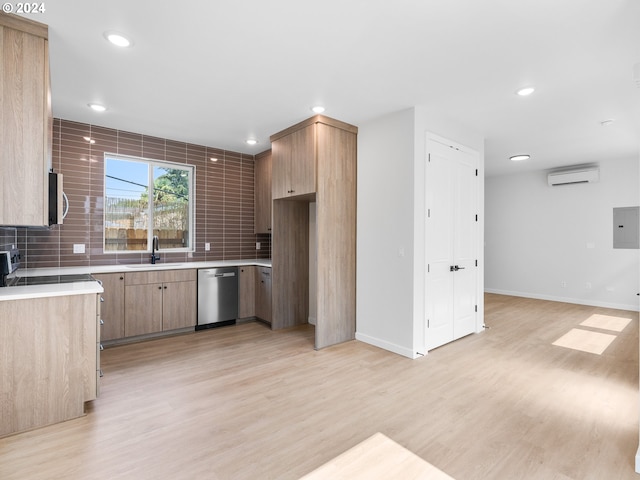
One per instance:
[(78, 248), (588, 285), (563, 284), (207, 247), (257, 245)]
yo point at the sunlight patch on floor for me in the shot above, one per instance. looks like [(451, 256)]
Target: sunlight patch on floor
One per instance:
[(585, 341), (606, 322)]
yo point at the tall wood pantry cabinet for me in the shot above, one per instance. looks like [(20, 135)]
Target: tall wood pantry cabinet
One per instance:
[(26, 122), (315, 162)]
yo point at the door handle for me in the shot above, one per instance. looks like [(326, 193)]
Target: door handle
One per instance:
[(455, 268)]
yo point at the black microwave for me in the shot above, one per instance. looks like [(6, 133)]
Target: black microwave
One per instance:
[(56, 195)]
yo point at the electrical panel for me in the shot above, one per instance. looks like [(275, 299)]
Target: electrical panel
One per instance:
[(626, 227)]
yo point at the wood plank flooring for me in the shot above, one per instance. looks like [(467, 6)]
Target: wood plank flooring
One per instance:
[(244, 402)]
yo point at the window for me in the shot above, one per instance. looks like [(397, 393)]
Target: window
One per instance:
[(145, 198)]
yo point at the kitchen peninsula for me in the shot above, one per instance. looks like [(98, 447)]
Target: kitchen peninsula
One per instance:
[(49, 353)]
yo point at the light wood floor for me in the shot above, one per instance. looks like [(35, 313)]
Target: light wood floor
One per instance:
[(244, 402)]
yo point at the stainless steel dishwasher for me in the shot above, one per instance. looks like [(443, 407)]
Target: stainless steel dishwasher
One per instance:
[(217, 297)]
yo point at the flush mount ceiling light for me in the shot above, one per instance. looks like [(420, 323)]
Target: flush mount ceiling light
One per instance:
[(118, 39), (607, 122), (523, 92), (251, 141), (519, 158), (317, 109), (96, 107)]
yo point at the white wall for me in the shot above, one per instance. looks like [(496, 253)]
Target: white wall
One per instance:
[(384, 292), (390, 243), (537, 237)]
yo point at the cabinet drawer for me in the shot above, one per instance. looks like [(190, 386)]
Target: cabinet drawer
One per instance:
[(160, 276)]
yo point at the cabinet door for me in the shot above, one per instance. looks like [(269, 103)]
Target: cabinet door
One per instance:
[(112, 309), (25, 134), (263, 294), (143, 307), (263, 193), (179, 305), (280, 168), (303, 166), (294, 164), (247, 294)]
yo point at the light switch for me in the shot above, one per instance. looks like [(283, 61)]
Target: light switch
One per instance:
[(207, 247), (78, 248), (257, 245)]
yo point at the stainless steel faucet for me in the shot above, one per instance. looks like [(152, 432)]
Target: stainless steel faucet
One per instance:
[(155, 245)]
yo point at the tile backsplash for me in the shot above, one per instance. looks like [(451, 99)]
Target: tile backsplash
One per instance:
[(224, 208), (8, 238)]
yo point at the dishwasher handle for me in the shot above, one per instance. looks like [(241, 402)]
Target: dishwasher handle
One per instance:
[(226, 274)]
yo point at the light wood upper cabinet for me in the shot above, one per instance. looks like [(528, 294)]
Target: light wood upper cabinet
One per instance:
[(294, 162), (113, 306), (263, 192), (25, 122)]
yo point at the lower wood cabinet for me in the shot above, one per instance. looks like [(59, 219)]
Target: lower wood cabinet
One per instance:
[(247, 291), (113, 305), (158, 301), (263, 293)]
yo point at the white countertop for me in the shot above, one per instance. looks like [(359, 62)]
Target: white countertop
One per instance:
[(81, 288)]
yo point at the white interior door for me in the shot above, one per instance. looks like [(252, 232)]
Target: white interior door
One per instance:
[(451, 242)]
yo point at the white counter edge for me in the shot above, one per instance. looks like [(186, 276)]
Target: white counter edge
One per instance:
[(57, 290), (81, 288)]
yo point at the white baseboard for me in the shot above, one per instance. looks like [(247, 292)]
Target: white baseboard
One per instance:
[(391, 347), (638, 460), (551, 298)]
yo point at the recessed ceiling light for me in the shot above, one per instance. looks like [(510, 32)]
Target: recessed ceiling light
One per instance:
[(519, 158), (251, 141), (523, 92), (90, 140), (318, 109), (96, 107), (118, 39), (213, 159)]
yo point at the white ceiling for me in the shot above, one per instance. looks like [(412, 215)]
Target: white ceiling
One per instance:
[(217, 72)]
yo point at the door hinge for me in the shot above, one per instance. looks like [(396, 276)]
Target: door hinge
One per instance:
[(476, 172), (476, 218), (476, 308), (428, 213), (428, 268), (476, 263), (428, 321), (428, 157)]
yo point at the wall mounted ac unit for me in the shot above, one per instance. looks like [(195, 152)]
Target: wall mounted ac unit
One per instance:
[(575, 175)]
